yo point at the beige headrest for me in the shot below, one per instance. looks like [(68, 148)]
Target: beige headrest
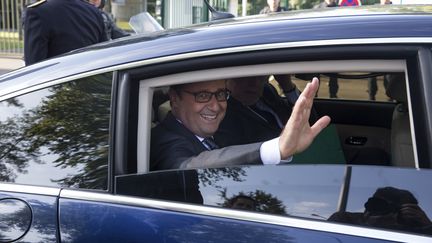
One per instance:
[(163, 110), (396, 87)]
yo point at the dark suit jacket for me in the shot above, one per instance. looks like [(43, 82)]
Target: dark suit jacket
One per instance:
[(174, 146), (55, 27), (241, 125)]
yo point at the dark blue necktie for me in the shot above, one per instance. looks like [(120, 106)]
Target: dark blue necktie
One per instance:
[(209, 143)]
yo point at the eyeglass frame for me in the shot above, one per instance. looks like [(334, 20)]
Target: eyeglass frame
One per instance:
[(195, 94)]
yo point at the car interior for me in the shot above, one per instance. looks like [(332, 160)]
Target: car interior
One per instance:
[(364, 130), (371, 125)]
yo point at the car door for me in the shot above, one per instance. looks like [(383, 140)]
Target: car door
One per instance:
[(52, 136), (147, 85)]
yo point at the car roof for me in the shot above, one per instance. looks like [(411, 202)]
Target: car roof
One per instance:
[(346, 23)]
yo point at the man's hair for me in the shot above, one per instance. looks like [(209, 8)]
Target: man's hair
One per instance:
[(177, 87)]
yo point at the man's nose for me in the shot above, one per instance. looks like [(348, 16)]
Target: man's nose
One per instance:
[(213, 104)]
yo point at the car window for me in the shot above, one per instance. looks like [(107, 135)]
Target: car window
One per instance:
[(375, 132), (58, 136), (363, 130), (331, 193)]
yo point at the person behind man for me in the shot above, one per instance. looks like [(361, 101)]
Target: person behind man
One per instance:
[(55, 27), (112, 31), (184, 139), (256, 112), (272, 6)]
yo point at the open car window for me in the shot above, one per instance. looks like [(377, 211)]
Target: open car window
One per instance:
[(361, 128), (322, 183)]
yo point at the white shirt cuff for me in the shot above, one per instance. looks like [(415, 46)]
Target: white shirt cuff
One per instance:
[(270, 154)]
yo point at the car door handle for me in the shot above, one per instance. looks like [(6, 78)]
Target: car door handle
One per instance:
[(354, 140)]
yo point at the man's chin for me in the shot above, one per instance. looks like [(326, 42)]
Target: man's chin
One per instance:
[(210, 130)]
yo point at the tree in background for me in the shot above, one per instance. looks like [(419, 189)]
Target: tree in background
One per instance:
[(263, 202)]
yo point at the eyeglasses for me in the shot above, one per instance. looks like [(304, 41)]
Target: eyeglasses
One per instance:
[(205, 96)]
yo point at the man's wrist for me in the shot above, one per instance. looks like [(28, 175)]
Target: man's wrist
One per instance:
[(270, 154)]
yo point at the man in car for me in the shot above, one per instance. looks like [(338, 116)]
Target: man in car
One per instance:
[(184, 138)]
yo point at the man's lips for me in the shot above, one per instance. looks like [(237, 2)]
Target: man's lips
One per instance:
[(208, 117)]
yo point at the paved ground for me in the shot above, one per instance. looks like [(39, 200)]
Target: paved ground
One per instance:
[(8, 64)]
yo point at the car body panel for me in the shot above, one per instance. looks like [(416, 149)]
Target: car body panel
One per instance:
[(161, 221), (43, 226)]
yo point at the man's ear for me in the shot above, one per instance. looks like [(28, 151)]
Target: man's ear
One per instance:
[(173, 96)]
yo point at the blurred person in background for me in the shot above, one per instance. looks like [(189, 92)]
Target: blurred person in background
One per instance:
[(327, 3), (55, 27), (112, 31), (272, 7)]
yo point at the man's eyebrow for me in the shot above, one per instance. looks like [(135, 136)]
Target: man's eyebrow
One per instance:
[(206, 90)]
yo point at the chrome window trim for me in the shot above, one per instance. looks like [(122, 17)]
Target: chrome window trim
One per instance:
[(6, 93), (28, 189), (245, 216), (411, 121)]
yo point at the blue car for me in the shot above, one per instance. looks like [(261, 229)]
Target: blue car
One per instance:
[(75, 135)]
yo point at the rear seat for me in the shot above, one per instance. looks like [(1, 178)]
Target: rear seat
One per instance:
[(401, 141)]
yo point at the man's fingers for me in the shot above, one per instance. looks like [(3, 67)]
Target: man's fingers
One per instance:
[(311, 89), (303, 106), (319, 125)]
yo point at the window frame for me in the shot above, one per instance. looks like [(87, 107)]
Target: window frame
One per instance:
[(62, 81), (147, 86)]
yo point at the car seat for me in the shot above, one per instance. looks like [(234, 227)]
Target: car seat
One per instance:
[(402, 154)]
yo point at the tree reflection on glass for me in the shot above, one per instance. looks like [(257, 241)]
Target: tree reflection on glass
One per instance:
[(15, 151), (210, 177), (68, 127), (258, 201)]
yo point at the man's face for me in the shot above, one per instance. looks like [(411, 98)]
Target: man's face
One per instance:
[(202, 119), (273, 4), (247, 90), (95, 3)]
